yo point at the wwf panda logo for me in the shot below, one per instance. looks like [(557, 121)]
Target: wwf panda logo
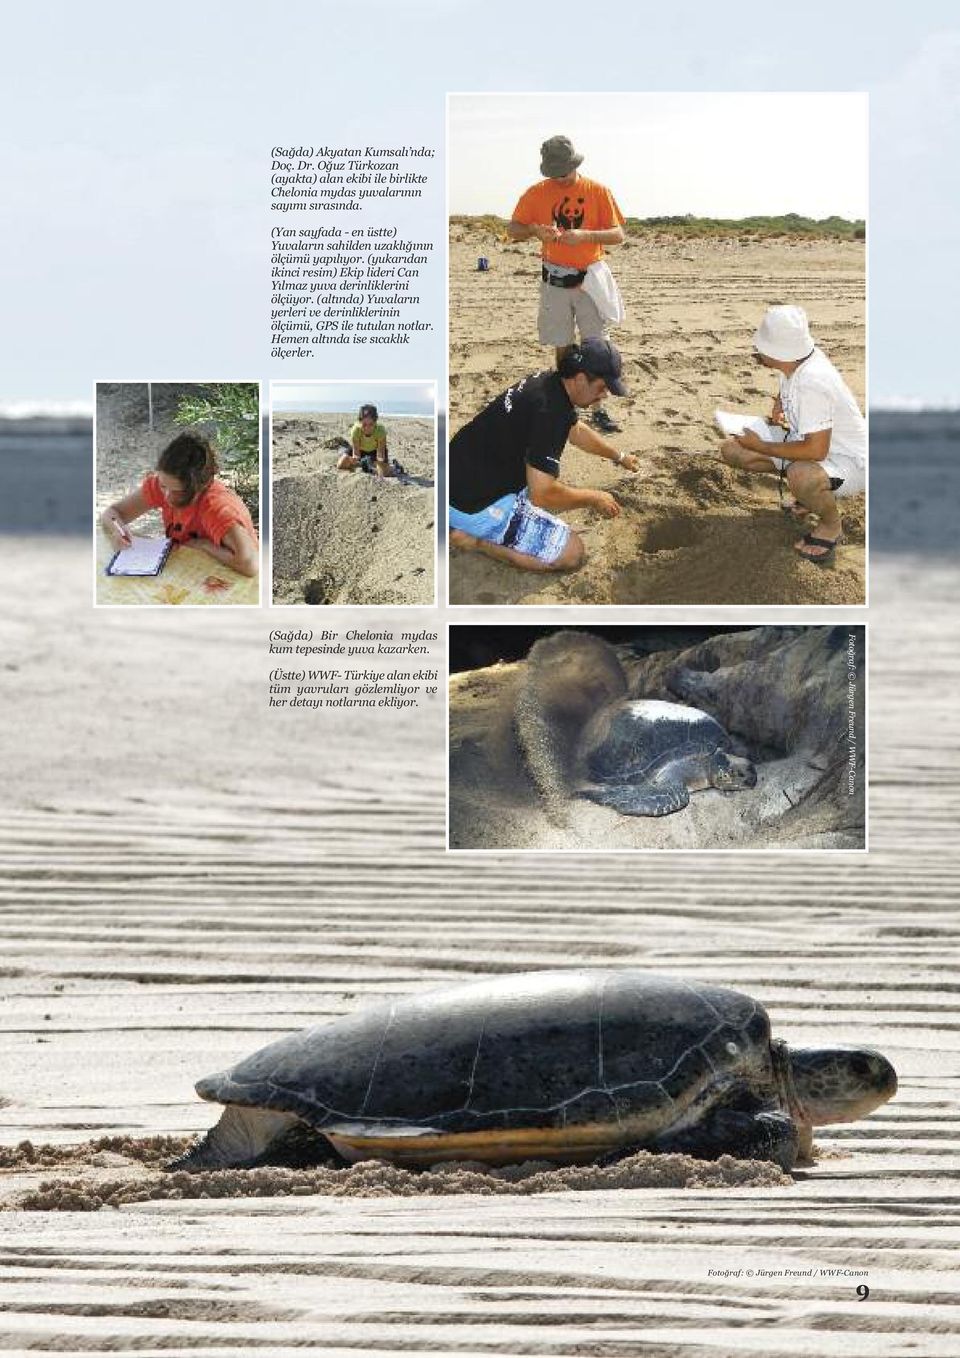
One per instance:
[(568, 214)]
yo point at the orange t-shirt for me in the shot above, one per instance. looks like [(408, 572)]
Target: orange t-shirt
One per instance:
[(584, 204), (215, 510)]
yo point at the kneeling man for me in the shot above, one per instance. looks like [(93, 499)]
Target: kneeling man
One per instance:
[(826, 456), (504, 465)]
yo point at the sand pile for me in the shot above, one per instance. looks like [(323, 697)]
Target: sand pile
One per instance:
[(350, 537), (780, 692), (374, 1179), (691, 530), (151, 1150)]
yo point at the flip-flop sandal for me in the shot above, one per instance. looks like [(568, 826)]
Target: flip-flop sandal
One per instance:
[(809, 540)]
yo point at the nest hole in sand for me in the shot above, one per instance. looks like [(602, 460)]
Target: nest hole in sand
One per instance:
[(668, 535)]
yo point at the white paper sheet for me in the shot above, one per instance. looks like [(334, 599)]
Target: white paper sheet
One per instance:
[(731, 424), (144, 556)]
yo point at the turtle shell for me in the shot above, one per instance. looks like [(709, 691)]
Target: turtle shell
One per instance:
[(603, 1057), (648, 736)]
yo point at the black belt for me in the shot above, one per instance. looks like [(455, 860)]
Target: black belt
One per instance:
[(562, 280)]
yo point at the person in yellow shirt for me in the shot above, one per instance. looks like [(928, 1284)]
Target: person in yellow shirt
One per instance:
[(574, 218), (368, 445)]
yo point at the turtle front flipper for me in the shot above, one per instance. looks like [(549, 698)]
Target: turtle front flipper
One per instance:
[(748, 1136), (639, 799)]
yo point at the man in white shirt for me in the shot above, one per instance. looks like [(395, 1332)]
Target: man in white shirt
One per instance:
[(826, 433)]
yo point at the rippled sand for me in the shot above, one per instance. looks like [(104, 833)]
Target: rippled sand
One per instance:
[(164, 915)]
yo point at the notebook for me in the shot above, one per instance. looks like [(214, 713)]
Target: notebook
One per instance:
[(144, 556), (732, 424)]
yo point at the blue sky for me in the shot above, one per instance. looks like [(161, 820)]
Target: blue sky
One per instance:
[(135, 157)]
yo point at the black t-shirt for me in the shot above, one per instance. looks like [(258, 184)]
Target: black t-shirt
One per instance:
[(527, 425)]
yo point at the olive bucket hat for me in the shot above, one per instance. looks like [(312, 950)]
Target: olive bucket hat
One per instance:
[(558, 158)]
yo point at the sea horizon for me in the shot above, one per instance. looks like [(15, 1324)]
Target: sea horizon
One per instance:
[(54, 409)]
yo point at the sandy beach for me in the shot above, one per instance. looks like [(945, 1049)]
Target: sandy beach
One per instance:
[(153, 934), (350, 537), (691, 531)]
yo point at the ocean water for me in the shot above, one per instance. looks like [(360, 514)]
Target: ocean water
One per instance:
[(46, 475), (914, 482), (397, 412), (46, 478)]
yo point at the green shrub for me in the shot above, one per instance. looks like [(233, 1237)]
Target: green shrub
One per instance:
[(233, 411), (790, 224)]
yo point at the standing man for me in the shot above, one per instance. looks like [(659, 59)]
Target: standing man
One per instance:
[(573, 218), (504, 467), (825, 455)]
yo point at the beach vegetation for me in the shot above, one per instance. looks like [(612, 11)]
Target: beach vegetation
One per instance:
[(486, 225), (231, 412), (744, 228), (756, 228)]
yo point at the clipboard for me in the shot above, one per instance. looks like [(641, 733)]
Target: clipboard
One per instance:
[(144, 556)]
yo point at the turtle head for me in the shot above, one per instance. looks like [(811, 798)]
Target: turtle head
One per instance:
[(730, 772), (840, 1084)]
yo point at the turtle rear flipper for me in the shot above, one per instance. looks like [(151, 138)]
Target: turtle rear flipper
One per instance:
[(240, 1139), (639, 799)]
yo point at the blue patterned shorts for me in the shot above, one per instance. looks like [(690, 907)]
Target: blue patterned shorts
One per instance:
[(512, 521)]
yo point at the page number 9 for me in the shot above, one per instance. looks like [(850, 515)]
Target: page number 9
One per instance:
[(863, 1291)]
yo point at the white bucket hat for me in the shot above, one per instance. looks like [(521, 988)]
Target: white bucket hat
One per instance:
[(784, 334)]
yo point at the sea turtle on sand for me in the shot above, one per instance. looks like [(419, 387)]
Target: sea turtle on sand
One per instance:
[(644, 757), (567, 1066)]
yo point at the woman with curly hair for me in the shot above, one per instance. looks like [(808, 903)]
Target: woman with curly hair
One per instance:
[(198, 510)]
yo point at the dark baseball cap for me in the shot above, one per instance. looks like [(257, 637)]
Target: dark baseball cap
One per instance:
[(601, 359)]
